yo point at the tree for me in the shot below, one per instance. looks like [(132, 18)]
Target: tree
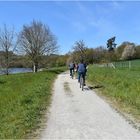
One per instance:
[(99, 54), (90, 55), (128, 52), (36, 40), (6, 45), (120, 49), (137, 54), (79, 50), (111, 44)]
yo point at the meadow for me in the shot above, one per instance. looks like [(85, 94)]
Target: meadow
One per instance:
[(23, 98), (120, 85), (132, 64)]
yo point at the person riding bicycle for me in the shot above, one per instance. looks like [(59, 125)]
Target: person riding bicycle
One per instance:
[(81, 70), (71, 68)]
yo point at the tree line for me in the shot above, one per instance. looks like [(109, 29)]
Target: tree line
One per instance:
[(36, 46), (103, 54)]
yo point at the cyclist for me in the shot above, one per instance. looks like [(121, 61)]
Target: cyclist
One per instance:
[(81, 70), (71, 68)]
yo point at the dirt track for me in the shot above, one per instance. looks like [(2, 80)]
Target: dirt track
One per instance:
[(76, 114)]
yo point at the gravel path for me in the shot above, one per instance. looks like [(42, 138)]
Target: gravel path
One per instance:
[(76, 114)]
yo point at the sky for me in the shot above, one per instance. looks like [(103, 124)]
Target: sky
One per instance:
[(94, 22)]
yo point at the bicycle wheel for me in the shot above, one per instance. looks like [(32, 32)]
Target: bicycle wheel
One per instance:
[(72, 75), (82, 83)]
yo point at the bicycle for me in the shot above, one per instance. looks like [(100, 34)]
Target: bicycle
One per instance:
[(82, 82), (71, 74)]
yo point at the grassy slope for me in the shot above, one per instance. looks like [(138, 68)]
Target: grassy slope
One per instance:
[(121, 85), (22, 98)]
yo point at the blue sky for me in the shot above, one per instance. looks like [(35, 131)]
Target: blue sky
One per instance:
[(91, 21)]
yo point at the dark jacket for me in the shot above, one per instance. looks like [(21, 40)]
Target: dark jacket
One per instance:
[(81, 68)]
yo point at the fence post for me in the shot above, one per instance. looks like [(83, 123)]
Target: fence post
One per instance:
[(129, 64)]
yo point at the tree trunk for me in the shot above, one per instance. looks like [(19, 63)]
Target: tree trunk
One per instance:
[(7, 71), (35, 67), (7, 62)]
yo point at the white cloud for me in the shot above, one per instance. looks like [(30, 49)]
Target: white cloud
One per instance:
[(84, 18)]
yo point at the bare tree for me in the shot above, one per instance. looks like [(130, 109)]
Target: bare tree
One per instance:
[(99, 54), (79, 50), (7, 45), (36, 40)]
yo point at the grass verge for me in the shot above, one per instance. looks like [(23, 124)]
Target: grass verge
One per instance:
[(22, 99), (121, 86)]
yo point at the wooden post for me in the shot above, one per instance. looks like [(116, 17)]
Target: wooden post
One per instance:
[(129, 64)]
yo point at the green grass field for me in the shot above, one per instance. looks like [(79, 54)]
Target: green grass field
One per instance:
[(133, 64), (121, 85), (23, 98)]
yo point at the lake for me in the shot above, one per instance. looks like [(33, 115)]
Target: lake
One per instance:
[(18, 70)]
